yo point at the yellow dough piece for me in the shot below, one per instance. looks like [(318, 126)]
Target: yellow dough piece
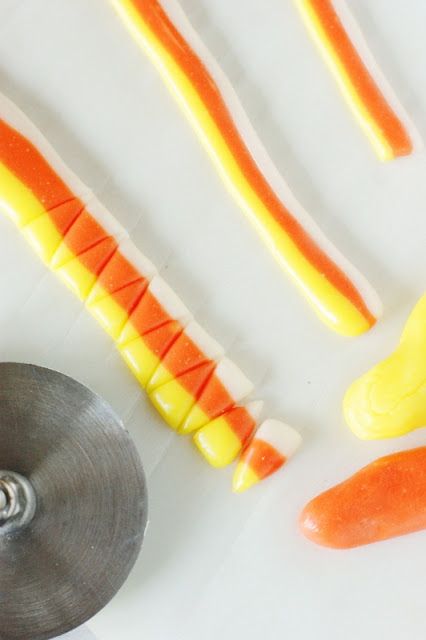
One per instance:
[(141, 361), (390, 400), (62, 256), (17, 200), (173, 402), (195, 419), (77, 278), (43, 236), (218, 443), (110, 315)]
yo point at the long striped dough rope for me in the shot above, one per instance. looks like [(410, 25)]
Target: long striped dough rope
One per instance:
[(341, 297)]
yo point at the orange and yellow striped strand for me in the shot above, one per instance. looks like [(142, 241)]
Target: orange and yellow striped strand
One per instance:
[(338, 293), (363, 85)]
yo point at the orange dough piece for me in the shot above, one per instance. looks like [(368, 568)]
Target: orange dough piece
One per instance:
[(387, 498)]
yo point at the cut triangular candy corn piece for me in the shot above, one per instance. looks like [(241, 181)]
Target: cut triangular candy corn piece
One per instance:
[(46, 232), (83, 234), (160, 304), (80, 273), (143, 354), (227, 386), (112, 311), (221, 440), (273, 444), (124, 268), (175, 399), (193, 347), (64, 215)]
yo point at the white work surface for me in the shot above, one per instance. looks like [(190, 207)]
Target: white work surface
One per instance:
[(216, 565)]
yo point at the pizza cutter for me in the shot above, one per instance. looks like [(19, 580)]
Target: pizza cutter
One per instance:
[(73, 503)]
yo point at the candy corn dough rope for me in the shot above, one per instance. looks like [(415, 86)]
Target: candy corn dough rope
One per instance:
[(184, 370), (338, 293), (365, 88)]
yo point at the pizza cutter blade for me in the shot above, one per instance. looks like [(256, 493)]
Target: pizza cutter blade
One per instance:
[(73, 503)]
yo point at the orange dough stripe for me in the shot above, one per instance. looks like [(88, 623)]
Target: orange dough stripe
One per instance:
[(146, 330), (334, 295), (383, 125), (263, 458)]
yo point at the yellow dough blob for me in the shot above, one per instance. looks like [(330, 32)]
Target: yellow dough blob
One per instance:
[(390, 400)]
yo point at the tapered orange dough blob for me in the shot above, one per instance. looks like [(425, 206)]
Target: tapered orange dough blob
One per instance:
[(390, 399), (385, 499), (272, 445)]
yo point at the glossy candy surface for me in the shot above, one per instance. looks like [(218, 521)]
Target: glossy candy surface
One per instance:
[(387, 498), (390, 400), (363, 85), (272, 445), (338, 293)]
